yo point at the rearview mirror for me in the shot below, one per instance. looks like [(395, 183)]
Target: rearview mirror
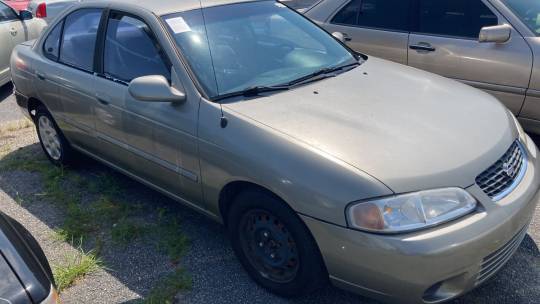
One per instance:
[(25, 15), (495, 34), (154, 88)]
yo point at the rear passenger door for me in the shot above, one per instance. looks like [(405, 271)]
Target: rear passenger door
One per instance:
[(154, 134), (445, 41), (77, 81), (375, 27)]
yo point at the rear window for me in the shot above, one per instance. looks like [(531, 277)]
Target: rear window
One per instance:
[(79, 41)]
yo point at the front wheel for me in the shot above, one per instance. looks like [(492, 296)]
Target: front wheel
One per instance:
[(274, 245), (52, 140)]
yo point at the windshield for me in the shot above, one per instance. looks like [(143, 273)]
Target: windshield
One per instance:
[(252, 44), (528, 11)]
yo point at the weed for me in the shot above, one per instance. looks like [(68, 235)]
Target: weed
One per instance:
[(171, 240), (168, 287), (76, 266), (127, 230)]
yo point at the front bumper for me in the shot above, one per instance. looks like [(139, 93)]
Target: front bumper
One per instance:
[(437, 264)]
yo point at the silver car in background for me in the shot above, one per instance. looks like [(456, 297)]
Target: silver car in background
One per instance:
[(15, 27), (492, 45)]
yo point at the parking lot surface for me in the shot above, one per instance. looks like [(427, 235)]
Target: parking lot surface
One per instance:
[(130, 270), (8, 107)]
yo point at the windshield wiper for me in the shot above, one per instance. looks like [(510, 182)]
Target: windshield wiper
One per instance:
[(327, 72), (253, 91)]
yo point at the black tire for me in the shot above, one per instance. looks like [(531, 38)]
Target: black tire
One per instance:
[(65, 154), (300, 268)]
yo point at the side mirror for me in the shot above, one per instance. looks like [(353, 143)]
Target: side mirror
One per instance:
[(25, 15), (339, 36), (154, 88), (495, 34)]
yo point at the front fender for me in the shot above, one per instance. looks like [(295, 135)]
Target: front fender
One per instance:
[(312, 182)]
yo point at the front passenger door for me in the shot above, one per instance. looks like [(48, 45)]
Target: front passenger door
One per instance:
[(375, 27), (445, 42), (154, 135)]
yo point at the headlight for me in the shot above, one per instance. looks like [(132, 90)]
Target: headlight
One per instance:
[(411, 211)]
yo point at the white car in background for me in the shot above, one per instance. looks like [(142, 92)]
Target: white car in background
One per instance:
[(15, 28)]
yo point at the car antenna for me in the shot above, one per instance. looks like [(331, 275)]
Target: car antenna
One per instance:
[(223, 120)]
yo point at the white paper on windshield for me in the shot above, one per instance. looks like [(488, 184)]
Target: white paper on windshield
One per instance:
[(178, 25)]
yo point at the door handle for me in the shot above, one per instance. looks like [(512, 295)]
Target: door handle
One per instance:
[(40, 76), (346, 37), (422, 46), (13, 31), (103, 101)]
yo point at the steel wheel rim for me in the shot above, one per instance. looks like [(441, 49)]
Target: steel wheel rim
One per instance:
[(269, 246), (49, 138)]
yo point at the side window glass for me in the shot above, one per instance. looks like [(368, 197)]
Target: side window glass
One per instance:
[(131, 50), (349, 14), (456, 18), (379, 14), (51, 47), (79, 41), (6, 13)]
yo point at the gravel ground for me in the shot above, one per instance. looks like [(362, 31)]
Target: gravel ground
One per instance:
[(217, 276)]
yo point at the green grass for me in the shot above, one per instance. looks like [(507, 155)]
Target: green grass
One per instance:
[(170, 241), (128, 230), (94, 205), (168, 287), (75, 267)]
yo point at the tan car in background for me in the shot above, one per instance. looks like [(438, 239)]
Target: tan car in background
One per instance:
[(493, 45), (323, 164), (15, 27)]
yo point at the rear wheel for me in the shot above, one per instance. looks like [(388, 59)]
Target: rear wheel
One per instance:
[(53, 142), (274, 245)]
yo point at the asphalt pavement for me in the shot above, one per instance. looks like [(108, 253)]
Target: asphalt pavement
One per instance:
[(9, 111)]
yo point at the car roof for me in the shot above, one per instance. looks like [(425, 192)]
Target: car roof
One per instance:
[(164, 7)]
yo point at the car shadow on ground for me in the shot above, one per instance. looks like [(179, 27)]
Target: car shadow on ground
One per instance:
[(217, 276)]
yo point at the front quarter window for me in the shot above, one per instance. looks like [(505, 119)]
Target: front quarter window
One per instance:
[(528, 11), (238, 46)]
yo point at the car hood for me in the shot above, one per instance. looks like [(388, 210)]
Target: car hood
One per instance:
[(410, 129)]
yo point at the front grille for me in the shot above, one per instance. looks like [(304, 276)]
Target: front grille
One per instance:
[(504, 176), (495, 261)]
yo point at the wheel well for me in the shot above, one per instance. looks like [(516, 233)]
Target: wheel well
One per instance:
[(33, 104), (231, 190)]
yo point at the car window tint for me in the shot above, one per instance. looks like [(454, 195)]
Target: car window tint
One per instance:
[(381, 14), (79, 41), (129, 41), (6, 13), (51, 47), (349, 14), (458, 18)]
